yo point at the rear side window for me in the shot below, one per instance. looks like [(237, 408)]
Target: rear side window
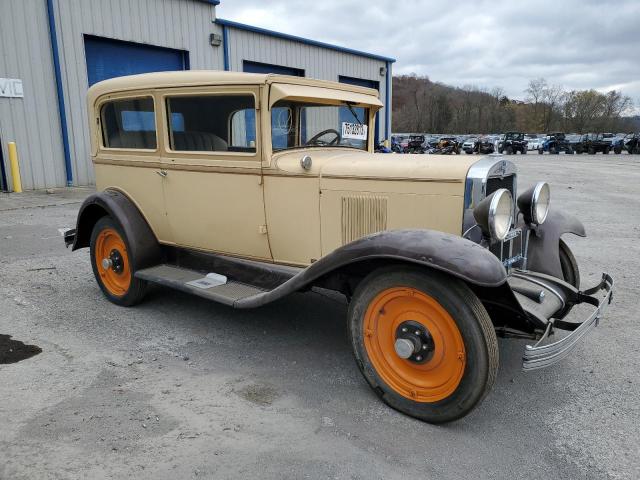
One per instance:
[(129, 124), (220, 123)]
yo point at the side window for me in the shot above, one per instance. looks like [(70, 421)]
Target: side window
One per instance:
[(129, 124), (220, 123)]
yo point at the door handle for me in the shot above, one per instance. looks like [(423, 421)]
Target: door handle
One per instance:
[(162, 173)]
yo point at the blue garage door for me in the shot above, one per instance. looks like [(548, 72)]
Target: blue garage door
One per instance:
[(108, 58), (361, 82)]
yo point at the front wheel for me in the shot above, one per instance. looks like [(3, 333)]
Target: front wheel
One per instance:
[(112, 264), (424, 342)]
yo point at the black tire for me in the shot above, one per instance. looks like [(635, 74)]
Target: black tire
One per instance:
[(617, 150), (570, 270), (472, 321), (540, 151), (592, 151), (509, 150), (553, 150), (136, 288), (606, 151), (524, 151)]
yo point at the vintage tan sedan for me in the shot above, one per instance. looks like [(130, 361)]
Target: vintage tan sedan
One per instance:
[(245, 188)]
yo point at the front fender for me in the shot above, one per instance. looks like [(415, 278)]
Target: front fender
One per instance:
[(543, 253), (143, 245), (448, 253)]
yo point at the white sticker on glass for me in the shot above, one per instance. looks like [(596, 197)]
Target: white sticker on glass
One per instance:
[(354, 131)]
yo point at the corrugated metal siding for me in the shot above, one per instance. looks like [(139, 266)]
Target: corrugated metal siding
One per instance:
[(317, 62), (165, 23), (32, 122)]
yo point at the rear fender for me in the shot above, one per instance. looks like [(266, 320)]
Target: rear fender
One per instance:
[(143, 245), (543, 253)]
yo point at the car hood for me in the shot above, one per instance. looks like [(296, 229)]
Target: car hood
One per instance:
[(347, 163)]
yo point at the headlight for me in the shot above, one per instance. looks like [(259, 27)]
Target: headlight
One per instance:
[(494, 214), (534, 203)]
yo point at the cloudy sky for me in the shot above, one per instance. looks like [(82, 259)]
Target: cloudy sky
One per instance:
[(578, 44)]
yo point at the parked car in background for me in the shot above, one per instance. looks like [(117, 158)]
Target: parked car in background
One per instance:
[(512, 143), (632, 143), (534, 143), (617, 143), (415, 144), (576, 142), (448, 145), (469, 144), (555, 143), (597, 142), (482, 145)]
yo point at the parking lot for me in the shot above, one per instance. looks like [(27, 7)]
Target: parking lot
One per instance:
[(182, 388)]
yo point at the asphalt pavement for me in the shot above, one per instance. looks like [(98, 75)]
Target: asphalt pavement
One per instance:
[(179, 387)]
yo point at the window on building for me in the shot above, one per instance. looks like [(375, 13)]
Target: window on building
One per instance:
[(221, 123), (129, 124)]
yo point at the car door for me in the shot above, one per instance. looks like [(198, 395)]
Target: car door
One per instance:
[(126, 149), (212, 158)]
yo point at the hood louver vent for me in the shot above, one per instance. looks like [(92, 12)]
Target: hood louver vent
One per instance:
[(362, 215)]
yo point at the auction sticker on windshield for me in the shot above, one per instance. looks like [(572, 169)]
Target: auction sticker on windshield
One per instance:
[(355, 131)]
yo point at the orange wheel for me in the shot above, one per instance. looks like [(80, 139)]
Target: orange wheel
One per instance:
[(414, 344), (112, 261), (423, 341), (112, 264)]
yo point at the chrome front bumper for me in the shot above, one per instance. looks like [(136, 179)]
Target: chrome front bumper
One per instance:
[(541, 356)]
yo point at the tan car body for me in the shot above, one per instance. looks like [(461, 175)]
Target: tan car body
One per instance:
[(435, 255), (265, 205)]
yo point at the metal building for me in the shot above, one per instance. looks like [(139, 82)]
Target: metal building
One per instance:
[(51, 51)]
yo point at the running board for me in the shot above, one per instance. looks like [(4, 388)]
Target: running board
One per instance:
[(179, 278)]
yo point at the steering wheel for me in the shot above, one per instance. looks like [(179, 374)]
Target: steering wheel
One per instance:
[(314, 139)]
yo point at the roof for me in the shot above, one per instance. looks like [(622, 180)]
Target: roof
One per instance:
[(213, 77), (306, 41)]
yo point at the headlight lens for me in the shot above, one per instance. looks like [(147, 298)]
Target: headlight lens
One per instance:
[(541, 200), (495, 214), (534, 203)]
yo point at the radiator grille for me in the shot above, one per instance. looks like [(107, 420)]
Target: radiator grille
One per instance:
[(362, 215), (496, 183)]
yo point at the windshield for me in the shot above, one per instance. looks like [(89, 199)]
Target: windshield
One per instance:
[(304, 124)]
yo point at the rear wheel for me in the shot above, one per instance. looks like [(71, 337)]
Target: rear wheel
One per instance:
[(112, 265), (617, 150), (424, 342), (509, 150)]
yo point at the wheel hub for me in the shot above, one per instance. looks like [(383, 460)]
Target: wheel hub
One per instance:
[(114, 261), (413, 342)]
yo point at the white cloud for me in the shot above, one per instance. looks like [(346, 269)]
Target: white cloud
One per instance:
[(489, 43)]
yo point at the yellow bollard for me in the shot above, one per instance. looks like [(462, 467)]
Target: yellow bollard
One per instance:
[(15, 167)]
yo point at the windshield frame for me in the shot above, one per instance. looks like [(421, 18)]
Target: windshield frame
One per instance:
[(369, 120)]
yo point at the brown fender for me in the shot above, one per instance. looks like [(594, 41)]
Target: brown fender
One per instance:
[(142, 243), (447, 253), (543, 254)]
